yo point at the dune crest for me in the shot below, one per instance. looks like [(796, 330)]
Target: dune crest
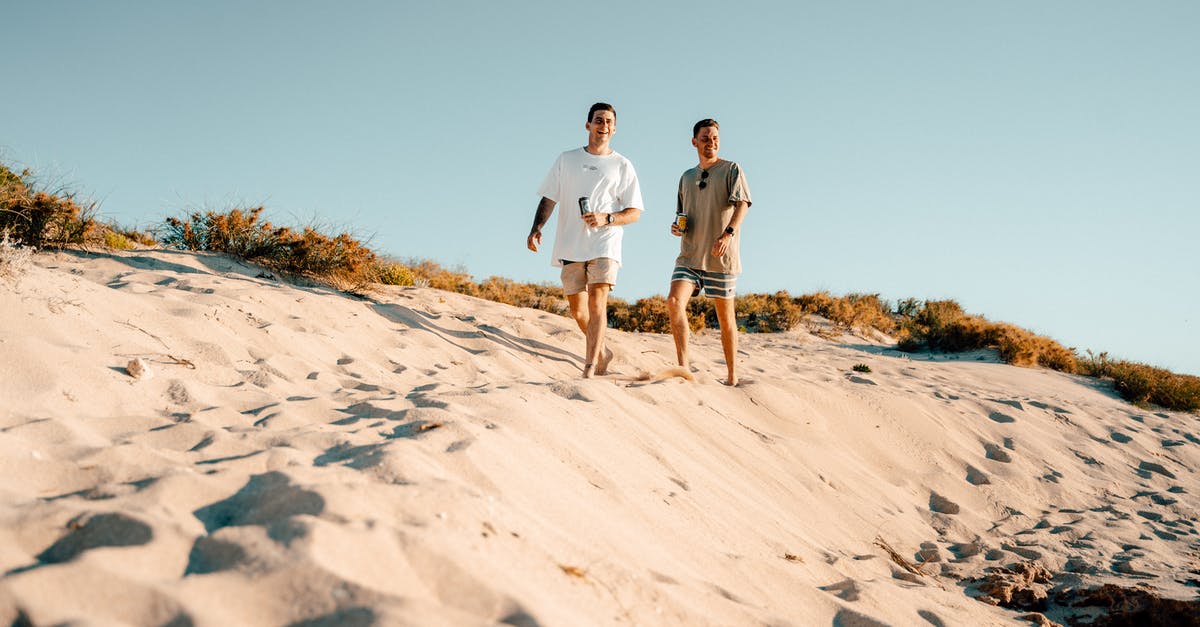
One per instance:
[(422, 457)]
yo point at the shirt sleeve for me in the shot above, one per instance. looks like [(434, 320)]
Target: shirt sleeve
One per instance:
[(679, 197), (550, 185), (739, 189), (631, 190)]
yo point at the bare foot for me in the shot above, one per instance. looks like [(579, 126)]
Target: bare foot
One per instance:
[(605, 359), (587, 371), (731, 382)]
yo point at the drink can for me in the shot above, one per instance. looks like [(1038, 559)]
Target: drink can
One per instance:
[(681, 221), (584, 207)]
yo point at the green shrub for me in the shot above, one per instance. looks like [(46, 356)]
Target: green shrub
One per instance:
[(395, 274), (112, 239)]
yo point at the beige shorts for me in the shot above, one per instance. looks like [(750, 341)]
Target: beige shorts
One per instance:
[(577, 275)]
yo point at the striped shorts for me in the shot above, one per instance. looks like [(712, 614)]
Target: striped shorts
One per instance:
[(711, 284)]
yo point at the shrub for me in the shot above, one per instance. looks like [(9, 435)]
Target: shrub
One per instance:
[(850, 312), (341, 261), (237, 232), (649, 315), (1142, 384), (113, 239), (40, 218), (762, 313), (395, 274), (864, 368), (14, 258)]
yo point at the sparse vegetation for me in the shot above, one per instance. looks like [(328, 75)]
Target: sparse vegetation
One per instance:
[(32, 217), (1142, 384), (341, 261), (37, 217), (864, 368), (14, 258)]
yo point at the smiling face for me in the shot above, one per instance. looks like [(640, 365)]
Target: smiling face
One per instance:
[(707, 142), (601, 127)]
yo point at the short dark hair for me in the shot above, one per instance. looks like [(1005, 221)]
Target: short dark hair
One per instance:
[(601, 106), (701, 124)]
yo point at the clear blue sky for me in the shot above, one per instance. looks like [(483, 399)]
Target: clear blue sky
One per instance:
[(1039, 162)]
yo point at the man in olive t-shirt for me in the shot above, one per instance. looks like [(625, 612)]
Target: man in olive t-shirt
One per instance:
[(714, 197)]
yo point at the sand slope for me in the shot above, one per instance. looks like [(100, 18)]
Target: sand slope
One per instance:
[(297, 456)]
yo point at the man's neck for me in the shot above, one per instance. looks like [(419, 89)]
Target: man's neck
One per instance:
[(599, 149), (708, 163)]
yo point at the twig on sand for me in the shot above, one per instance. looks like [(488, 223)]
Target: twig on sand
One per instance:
[(134, 326), (181, 362), (900, 560)]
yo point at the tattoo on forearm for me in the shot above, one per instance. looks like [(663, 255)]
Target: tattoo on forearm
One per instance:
[(544, 209)]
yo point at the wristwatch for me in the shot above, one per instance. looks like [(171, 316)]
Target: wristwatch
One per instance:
[(610, 218), (729, 230)]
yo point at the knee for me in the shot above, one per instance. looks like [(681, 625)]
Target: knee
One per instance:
[(677, 305)]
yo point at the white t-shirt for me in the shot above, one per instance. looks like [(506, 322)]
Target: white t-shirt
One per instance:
[(610, 184)]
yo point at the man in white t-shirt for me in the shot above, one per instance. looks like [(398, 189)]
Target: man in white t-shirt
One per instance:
[(599, 191)]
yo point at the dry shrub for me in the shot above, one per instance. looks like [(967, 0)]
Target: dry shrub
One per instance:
[(341, 261), (431, 274), (647, 315), (850, 312), (543, 296), (768, 313), (1142, 384), (942, 325), (238, 232), (43, 218), (14, 258)]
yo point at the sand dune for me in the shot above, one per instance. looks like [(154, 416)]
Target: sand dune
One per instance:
[(297, 456)]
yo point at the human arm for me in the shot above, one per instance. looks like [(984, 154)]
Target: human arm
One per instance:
[(629, 215), (721, 246), (544, 209)]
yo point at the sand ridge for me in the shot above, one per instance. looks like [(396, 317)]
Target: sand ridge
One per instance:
[(421, 457)]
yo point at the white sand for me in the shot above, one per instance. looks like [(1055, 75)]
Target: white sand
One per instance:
[(426, 458)]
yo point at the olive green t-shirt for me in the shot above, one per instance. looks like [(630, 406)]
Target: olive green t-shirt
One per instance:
[(708, 212)]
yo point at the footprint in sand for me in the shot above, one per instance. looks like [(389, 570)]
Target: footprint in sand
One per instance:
[(1145, 468), (1001, 418), (569, 391), (1120, 437), (213, 555), (964, 550), (942, 505), (996, 453), (976, 476), (850, 618), (101, 530), (846, 590)]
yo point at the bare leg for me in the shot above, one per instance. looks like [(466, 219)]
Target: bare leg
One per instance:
[(727, 315), (597, 322), (677, 301), (579, 311)]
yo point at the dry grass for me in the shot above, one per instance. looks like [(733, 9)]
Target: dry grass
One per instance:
[(853, 312), (341, 261), (14, 258), (1142, 384), (38, 217), (943, 326)]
